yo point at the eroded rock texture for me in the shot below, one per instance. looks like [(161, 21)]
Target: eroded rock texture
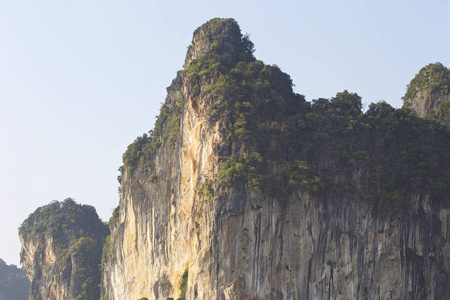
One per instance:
[(236, 242)]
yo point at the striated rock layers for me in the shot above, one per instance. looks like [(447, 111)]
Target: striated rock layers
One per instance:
[(240, 190), (61, 251)]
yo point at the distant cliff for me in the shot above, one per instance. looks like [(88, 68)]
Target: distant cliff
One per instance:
[(428, 93), (243, 190), (61, 251), (14, 283)]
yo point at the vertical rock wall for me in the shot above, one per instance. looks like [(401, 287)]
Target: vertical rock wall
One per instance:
[(246, 245)]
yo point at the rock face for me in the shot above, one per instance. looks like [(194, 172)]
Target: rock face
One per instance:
[(259, 249), (61, 251), (233, 240), (425, 102)]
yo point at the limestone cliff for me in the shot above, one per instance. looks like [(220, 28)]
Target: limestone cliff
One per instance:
[(61, 251), (244, 190), (428, 93)]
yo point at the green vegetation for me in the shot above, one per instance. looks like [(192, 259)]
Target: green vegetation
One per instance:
[(167, 128), (432, 78), (107, 251), (14, 284), (183, 285), (114, 218), (442, 113), (206, 190), (226, 41), (65, 220), (152, 178), (87, 253), (78, 236)]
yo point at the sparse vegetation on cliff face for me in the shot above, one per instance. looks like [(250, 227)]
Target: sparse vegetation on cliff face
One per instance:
[(183, 285), (77, 236), (166, 129)]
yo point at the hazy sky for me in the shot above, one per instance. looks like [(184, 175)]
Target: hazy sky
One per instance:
[(80, 80)]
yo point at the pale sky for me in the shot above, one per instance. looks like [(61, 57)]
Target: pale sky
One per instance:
[(80, 80)]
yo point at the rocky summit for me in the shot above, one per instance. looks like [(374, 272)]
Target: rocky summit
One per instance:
[(428, 94), (244, 190), (61, 251)]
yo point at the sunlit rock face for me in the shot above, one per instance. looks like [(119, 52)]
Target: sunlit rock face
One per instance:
[(236, 242)]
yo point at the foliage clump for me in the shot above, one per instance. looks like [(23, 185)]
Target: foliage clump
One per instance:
[(167, 128), (183, 285), (66, 219), (442, 114), (112, 223)]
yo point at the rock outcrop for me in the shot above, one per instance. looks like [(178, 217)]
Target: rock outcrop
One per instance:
[(61, 251), (245, 191), (428, 90)]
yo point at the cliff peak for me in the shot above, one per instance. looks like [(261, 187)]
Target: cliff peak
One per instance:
[(222, 37), (61, 250), (428, 90)]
